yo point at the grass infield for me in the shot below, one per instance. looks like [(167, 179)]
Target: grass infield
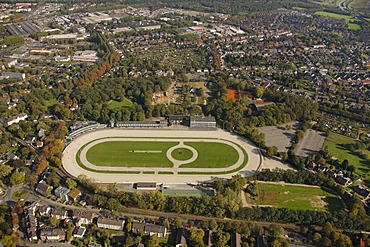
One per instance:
[(130, 154), (182, 154), (295, 197), (212, 155)]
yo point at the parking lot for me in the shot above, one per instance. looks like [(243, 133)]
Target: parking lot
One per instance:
[(280, 136)]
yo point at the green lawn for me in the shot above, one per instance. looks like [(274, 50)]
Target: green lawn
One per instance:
[(336, 145), (212, 155), (51, 102), (347, 18), (19, 194), (113, 104), (130, 154), (295, 197), (182, 154)]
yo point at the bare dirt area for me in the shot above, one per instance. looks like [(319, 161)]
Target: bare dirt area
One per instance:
[(280, 136), (311, 143)]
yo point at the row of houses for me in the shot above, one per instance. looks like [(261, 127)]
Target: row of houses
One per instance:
[(183, 233)]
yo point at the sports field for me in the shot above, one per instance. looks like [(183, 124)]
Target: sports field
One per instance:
[(130, 154), (160, 153), (337, 148), (212, 155), (295, 197)]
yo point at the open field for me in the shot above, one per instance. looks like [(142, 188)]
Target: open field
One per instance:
[(336, 145), (295, 197), (347, 18), (279, 136), (75, 161), (113, 104), (130, 154), (311, 143), (212, 155), (362, 6)]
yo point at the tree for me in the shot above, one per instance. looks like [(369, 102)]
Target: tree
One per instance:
[(259, 91), (275, 231), (54, 222), (17, 178), (178, 222), (317, 237), (345, 164), (213, 225), (299, 134), (71, 183), (271, 151)]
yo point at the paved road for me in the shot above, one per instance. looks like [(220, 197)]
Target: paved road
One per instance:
[(71, 166)]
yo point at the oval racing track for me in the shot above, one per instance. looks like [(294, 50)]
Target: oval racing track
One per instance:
[(74, 169)]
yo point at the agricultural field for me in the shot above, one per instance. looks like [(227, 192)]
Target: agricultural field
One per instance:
[(295, 197), (349, 19), (212, 155), (130, 154), (337, 147)]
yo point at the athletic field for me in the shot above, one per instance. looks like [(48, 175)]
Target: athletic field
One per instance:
[(283, 195)]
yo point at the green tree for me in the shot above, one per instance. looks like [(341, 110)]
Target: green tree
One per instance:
[(71, 183), (271, 151), (17, 178), (54, 222)]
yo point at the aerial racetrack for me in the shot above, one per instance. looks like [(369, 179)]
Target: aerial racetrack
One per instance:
[(159, 155)]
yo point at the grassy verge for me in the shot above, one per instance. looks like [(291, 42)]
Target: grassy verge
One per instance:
[(165, 173)]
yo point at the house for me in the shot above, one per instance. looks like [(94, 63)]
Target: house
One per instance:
[(93, 244), (111, 224), (83, 217), (311, 165), (14, 75), (362, 191), (79, 232), (74, 194), (44, 210), (53, 235), (180, 237), (60, 214), (62, 192), (345, 181), (145, 186), (43, 188), (149, 229), (235, 240), (15, 119), (202, 122)]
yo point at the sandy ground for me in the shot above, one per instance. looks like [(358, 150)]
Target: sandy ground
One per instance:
[(272, 163), (71, 166)]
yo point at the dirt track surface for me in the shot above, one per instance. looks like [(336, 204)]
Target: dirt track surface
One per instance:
[(71, 166)]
